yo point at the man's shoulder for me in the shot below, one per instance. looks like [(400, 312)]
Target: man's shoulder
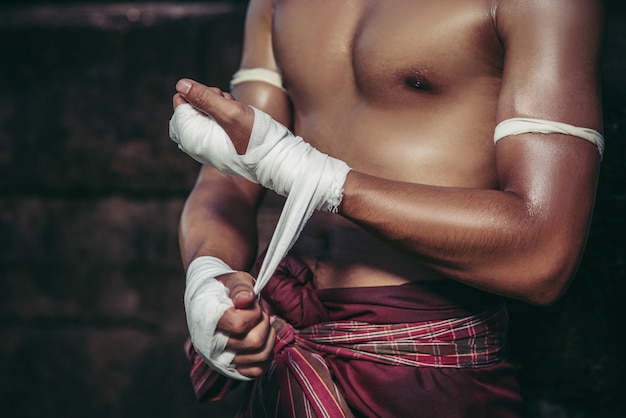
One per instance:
[(530, 13)]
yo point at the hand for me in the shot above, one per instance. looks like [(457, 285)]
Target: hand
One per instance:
[(234, 117), (228, 328), (243, 141), (248, 326)]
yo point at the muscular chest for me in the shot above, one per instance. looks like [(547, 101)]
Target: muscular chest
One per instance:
[(382, 49)]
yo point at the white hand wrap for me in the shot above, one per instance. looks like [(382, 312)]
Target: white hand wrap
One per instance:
[(206, 300), (275, 158)]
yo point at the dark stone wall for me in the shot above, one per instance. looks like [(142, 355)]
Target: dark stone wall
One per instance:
[(91, 188)]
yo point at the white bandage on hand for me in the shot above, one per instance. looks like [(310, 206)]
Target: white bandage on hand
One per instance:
[(206, 300), (275, 158)]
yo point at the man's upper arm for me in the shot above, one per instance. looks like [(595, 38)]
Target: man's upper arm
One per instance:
[(258, 52), (551, 67), (551, 72)]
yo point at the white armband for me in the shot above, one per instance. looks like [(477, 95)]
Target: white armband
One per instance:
[(517, 126), (263, 75)]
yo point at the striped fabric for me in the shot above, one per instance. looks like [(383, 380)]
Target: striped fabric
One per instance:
[(208, 385), (458, 343), (299, 382)]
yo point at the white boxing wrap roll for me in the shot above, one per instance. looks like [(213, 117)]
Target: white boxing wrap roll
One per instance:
[(206, 300)]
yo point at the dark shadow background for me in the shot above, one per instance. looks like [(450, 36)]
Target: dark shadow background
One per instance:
[(91, 188)]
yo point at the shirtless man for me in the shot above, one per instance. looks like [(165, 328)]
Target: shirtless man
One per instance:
[(408, 94)]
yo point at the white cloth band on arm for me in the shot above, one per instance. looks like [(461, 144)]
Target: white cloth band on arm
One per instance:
[(310, 180), (206, 300), (263, 75), (517, 126), (275, 158)]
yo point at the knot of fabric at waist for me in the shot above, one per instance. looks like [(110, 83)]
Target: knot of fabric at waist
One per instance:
[(304, 378), (300, 378)]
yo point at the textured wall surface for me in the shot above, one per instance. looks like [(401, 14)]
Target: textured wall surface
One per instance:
[(91, 188)]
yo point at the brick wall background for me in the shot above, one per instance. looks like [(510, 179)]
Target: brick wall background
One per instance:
[(91, 188)]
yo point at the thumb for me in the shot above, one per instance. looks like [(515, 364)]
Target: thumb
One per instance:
[(209, 100), (234, 117), (241, 289)]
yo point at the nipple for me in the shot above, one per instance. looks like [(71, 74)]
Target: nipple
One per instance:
[(418, 80)]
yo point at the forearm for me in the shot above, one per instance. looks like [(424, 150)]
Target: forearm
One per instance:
[(452, 230), (219, 220), (219, 217)]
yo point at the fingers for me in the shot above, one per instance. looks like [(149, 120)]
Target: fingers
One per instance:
[(252, 363), (251, 337), (252, 340), (178, 100), (210, 100), (248, 326), (234, 117)]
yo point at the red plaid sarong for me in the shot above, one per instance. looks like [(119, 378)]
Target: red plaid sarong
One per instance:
[(208, 385), (299, 382), (473, 341), (384, 351)]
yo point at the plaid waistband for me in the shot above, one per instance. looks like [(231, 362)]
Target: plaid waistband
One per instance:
[(473, 341), (300, 381)]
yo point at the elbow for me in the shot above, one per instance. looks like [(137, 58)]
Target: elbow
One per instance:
[(545, 292), (546, 285)]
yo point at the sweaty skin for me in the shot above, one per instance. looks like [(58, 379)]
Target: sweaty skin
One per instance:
[(408, 94)]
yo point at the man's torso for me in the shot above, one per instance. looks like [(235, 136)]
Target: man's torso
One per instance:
[(405, 90)]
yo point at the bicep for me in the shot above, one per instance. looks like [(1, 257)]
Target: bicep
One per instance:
[(551, 66), (551, 72), (257, 46)]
